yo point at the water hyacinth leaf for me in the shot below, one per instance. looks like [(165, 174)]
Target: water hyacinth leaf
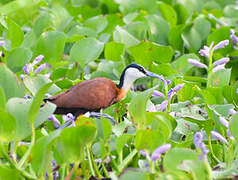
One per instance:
[(58, 73), (221, 78), (104, 128), (41, 23), (175, 37), (33, 84), (114, 51), (64, 83), (154, 138), (168, 13), (37, 101), (233, 126), (51, 45), (202, 26), (175, 156), (124, 37), (121, 141), (97, 23), (130, 174), (2, 99), (159, 29), (137, 107), (7, 126), (14, 33), (86, 50), (41, 152), (77, 32), (213, 95), (147, 52), (17, 58), (70, 147), (230, 11), (10, 173), (181, 64), (182, 13), (9, 83), (187, 92), (164, 69)]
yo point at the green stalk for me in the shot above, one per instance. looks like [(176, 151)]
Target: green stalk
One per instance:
[(63, 169), (210, 176), (211, 150), (210, 66), (126, 161), (105, 170), (26, 155), (94, 164), (90, 162)]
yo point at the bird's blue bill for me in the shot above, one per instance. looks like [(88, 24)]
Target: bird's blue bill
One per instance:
[(153, 75)]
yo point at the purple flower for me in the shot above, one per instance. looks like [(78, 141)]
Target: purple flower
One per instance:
[(168, 81), (37, 59), (224, 121), (143, 153), (68, 117), (196, 63), (157, 93), (2, 43), (229, 134), (87, 115), (237, 91), (27, 68), (221, 44), (151, 108), (21, 76), (40, 68), (197, 139), (218, 68), (163, 105), (218, 136), (234, 38), (232, 112), (174, 90), (28, 96), (107, 160), (221, 61), (205, 52), (55, 121), (204, 151), (160, 150)]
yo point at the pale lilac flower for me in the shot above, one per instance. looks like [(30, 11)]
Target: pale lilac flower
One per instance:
[(37, 59), (197, 139), (151, 108), (157, 93), (26, 68), (221, 61), (218, 136), (232, 112), (87, 115), (160, 150), (168, 81), (174, 90), (204, 151), (230, 135), (218, 68), (55, 121), (2, 43), (68, 117), (205, 52), (143, 153), (21, 76), (224, 121), (163, 105), (173, 114), (40, 68), (234, 38), (107, 160), (221, 44), (196, 63), (22, 143), (28, 96)]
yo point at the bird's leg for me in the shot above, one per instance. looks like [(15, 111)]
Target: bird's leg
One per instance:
[(99, 115)]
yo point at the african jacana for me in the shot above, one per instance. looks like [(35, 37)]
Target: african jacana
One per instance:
[(99, 93)]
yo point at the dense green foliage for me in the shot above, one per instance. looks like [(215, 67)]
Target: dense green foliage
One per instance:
[(168, 131)]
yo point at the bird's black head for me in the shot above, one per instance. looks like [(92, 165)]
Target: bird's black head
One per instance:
[(133, 72)]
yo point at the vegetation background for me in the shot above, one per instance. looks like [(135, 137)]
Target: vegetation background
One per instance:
[(184, 127)]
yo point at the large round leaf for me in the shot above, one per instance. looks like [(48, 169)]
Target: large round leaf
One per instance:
[(7, 126)]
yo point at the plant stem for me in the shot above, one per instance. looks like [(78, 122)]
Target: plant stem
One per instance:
[(126, 161), (210, 177), (94, 164), (90, 162), (63, 169), (211, 150), (24, 158), (210, 66)]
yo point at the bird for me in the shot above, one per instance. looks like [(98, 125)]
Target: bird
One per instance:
[(98, 93)]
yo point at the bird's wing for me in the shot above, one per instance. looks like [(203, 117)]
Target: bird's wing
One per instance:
[(91, 94)]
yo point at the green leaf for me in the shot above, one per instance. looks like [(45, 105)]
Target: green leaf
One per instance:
[(37, 101), (121, 141), (9, 83), (130, 174), (122, 36), (154, 139), (137, 108), (7, 126), (182, 13), (213, 95), (33, 84), (17, 58), (221, 78), (97, 23), (51, 45), (164, 69), (107, 128), (42, 22), (202, 26), (159, 29), (146, 53), (175, 37), (114, 51), (41, 152), (175, 156), (14, 33), (2, 99), (86, 50), (8, 172), (233, 125), (70, 147), (181, 64), (168, 13)]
